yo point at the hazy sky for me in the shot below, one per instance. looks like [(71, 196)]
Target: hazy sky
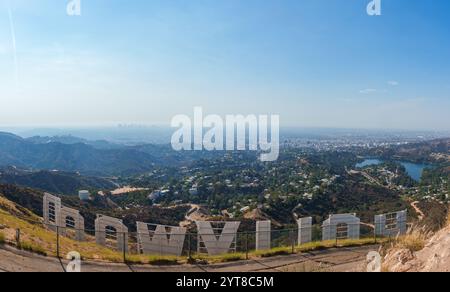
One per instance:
[(317, 63)]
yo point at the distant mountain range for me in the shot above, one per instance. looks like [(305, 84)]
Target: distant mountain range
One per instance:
[(92, 158), (68, 139), (47, 154), (102, 158)]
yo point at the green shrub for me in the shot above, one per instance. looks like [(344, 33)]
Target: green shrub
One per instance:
[(232, 258), (32, 248), (274, 252)]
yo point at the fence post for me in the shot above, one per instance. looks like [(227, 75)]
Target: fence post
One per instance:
[(57, 242), (246, 245), (337, 239), (160, 249), (124, 248), (375, 232), (189, 246), (292, 241), (18, 237)]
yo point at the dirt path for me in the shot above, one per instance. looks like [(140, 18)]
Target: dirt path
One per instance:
[(342, 259), (418, 211)]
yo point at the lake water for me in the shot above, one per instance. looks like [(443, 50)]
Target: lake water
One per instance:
[(414, 170)]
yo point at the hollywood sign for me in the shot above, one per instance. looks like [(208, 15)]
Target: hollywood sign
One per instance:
[(214, 238)]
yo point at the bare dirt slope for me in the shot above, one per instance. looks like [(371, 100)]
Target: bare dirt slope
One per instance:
[(434, 257)]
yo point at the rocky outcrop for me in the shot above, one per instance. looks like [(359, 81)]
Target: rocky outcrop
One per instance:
[(434, 257)]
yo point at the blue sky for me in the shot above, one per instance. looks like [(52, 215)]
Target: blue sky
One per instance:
[(316, 63)]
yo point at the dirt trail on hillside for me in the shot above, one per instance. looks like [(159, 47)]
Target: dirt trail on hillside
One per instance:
[(418, 211), (196, 213)]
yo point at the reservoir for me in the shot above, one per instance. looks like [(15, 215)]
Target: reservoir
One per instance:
[(414, 170)]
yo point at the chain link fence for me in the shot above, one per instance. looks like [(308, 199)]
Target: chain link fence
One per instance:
[(129, 247)]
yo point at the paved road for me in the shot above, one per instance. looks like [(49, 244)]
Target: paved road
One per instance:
[(342, 260)]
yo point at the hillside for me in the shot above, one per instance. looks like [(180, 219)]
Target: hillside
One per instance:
[(54, 181), (93, 158), (33, 199), (80, 157), (10, 208), (433, 257), (25, 197), (424, 152), (34, 237), (349, 194), (68, 139)]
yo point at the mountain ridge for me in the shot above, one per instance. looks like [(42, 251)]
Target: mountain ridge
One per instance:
[(59, 182), (16, 151)]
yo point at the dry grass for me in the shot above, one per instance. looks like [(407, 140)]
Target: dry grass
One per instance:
[(35, 238), (2, 238), (27, 246), (414, 240), (321, 245), (11, 208), (154, 260), (273, 252), (225, 258), (308, 267), (282, 251)]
